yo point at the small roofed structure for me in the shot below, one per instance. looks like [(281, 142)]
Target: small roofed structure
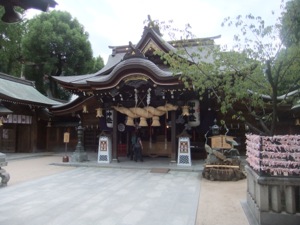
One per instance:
[(23, 115)]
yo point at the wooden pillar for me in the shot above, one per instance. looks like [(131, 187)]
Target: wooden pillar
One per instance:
[(33, 132), (173, 136), (48, 130), (115, 137)]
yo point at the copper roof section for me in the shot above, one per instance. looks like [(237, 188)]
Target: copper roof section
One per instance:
[(22, 91)]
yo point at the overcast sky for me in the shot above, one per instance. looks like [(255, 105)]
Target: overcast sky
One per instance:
[(116, 22)]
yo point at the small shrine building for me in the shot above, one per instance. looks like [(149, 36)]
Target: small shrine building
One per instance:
[(23, 115)]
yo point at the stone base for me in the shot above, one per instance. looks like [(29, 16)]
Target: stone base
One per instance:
[(65, 158), (223, 174), (3, 161), (273, 200), (79, 157), (5, 177)]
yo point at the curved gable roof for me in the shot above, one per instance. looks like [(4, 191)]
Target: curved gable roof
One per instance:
[(126, 68), (122, 70)]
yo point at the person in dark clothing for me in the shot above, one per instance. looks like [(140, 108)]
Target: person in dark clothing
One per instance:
[(138, 147), (133, 141)]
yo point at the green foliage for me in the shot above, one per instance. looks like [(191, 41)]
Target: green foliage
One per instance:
[(290, 37), (10, 46), (55, 44), (290, 32), (257, 68), (98, 64)]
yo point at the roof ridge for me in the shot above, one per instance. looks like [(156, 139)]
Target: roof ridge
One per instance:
[(16, 79)]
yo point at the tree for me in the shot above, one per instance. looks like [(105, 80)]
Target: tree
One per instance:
[(290, 30), (10, 46), (247, 80), (290, 36), (55, 44), (98, 63)]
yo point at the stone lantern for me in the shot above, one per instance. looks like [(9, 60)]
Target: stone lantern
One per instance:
[(79, 154)]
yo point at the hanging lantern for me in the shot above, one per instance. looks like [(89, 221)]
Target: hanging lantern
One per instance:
[(109, 118), (1, 122), (143, 122), (84, 109), (194, 113), (136, 96), (215, 128), (155, 121), (129, 121), (297, 122), (148, 96), (185, 110), (99, 112)]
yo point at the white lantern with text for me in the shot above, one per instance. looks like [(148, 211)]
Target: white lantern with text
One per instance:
[(194, 113)]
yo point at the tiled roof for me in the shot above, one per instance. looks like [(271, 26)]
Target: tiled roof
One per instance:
[(22, 91), (116, 60), (137, 62), (93, 78), (4, 110)]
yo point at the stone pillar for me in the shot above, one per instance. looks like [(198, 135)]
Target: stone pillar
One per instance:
[(262, 201), (276, 198), (290, 201)]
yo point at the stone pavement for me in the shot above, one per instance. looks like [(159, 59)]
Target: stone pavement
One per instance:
[(120, 195)]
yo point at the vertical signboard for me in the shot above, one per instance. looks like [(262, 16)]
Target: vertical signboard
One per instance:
[(184, 152), (104, 150)]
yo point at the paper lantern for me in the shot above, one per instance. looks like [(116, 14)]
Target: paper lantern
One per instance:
[(155, 121), (194, 113), (109, 118)]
